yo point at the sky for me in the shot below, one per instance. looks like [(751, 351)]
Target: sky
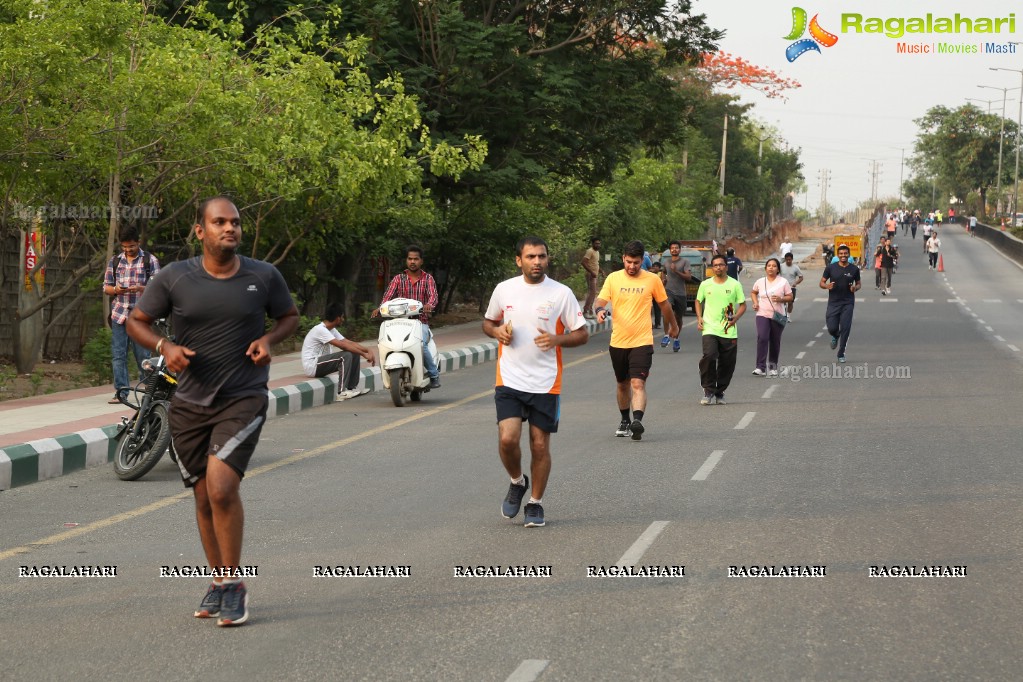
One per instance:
[(858, 98)]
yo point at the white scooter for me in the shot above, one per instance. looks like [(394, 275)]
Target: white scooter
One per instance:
[(400, 349)]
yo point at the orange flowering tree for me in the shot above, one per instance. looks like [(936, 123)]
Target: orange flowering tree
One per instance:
[(728, 70)]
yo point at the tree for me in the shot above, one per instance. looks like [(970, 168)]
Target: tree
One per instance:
[(958, 149)]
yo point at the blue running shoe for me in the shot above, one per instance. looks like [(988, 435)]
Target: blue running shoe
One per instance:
[(513, 500), (210, 605), (834, 342), (234, 606), (676, 346), (534, 515), (664, 341)]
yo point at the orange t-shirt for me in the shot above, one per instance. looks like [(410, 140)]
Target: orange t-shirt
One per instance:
[(630, 299)]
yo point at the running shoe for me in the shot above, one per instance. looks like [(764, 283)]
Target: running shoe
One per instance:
[(234, 606), (676, 346), (720, 398), (209, 607), (534, 515), (841, 358), (758, 372), (772, 372), (623, 429), (707, 399), (513, 500), (637, 429), (434, 382), (664, 341), (834, 342)]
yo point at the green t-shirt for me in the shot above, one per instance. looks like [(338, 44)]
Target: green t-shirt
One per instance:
[(715, 298)]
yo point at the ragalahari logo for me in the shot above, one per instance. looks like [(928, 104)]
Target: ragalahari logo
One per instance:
[(817, 35)]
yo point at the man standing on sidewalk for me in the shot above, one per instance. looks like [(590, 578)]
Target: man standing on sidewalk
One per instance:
[(630, 291), (533, 317), (842, 280), (720, 303), (219, 302), (319, 359), (591, 265), (419, 285), (125, 279)]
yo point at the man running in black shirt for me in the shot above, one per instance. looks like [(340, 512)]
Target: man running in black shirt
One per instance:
[(842, 280)]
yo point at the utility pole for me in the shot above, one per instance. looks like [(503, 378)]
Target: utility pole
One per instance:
[(902, 167), (824, 176), (875, 179)]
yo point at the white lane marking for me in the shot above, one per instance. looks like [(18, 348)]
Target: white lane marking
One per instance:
[(923, 300), (861, 300), (800, 355), (989, 328), (992, 300), (745, 421), (893, 300), (704, 471), (820, 300), (528, 670), (959, 300), (810, 343), (1019, 300), (999, 337), (635, 553), (1012, 348), (768, 392), (819, 334), (980, 321)]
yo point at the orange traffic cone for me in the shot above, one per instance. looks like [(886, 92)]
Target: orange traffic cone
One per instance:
[(941, 264)]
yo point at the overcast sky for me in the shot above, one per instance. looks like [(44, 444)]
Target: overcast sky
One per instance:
[(859, 97)]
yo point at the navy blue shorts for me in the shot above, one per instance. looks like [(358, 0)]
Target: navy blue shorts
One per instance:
[(542, 410)]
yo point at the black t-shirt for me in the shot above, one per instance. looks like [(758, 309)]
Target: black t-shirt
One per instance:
[(842, 277), (887, 258), (218, 319), (734, 264)]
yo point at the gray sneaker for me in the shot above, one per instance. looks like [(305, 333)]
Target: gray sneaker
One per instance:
[(708, 398), (720, 399), (209, 607), (513, 500)]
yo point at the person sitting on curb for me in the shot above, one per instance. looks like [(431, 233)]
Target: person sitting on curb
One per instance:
[(319, 359)]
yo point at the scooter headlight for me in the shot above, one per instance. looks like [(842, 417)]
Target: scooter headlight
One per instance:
[(395, 309)]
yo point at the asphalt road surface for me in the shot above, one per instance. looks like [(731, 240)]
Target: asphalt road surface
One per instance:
[(910, 460)]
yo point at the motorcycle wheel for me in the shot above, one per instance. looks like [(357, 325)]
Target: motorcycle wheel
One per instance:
[(136, 456), (399, 386)]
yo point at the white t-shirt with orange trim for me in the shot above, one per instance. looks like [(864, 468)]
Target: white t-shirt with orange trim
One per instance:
[(550, 306)]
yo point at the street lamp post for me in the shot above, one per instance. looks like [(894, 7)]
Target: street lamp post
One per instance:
[(988, 102), (1019, 123), (1001, 140)]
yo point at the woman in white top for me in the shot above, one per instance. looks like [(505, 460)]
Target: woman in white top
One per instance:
[(770, 294)]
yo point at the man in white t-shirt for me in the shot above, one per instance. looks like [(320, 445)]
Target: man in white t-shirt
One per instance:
[(785, 247), (533, 318), (320, 359)]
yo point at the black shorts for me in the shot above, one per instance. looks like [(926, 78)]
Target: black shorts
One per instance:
[(631, 363), (228, 429), (793, 294), (543, 410)]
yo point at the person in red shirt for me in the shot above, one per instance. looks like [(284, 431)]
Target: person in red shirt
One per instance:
[(417, 284)]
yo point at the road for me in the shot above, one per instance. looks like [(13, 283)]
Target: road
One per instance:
[(915, 466)]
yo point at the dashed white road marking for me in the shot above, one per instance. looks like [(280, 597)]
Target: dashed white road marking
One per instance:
[(641, 545), (810, 343), (999, 338), (819, 334), (704, 471), (745, 421), (1012, 348), (923, 300), (528, 670), (888, 299), (769, 391), (992, 300), (800, 355)]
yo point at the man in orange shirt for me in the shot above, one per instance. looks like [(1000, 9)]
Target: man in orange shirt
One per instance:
[(629, 292)]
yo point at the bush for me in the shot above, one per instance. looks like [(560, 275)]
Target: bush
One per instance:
[(97, 358)]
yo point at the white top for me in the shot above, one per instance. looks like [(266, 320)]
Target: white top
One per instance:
[(933, 244), (550, 306), (317, 342), (784, 248)]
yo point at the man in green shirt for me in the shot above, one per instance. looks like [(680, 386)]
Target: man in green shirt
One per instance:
[(720, 302)]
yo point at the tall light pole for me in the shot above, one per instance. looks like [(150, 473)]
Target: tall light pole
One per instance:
[(721, 190), (1001, 139), (988, 102), (760, 151), (1019, 124)]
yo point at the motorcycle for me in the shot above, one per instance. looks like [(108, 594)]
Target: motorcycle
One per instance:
[(828, 252), (144, 438), (400, 349)]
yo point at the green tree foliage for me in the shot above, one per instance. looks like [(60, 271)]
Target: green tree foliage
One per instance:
[(958, 149)]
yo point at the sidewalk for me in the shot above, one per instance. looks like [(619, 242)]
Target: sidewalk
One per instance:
[(48, 436)]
